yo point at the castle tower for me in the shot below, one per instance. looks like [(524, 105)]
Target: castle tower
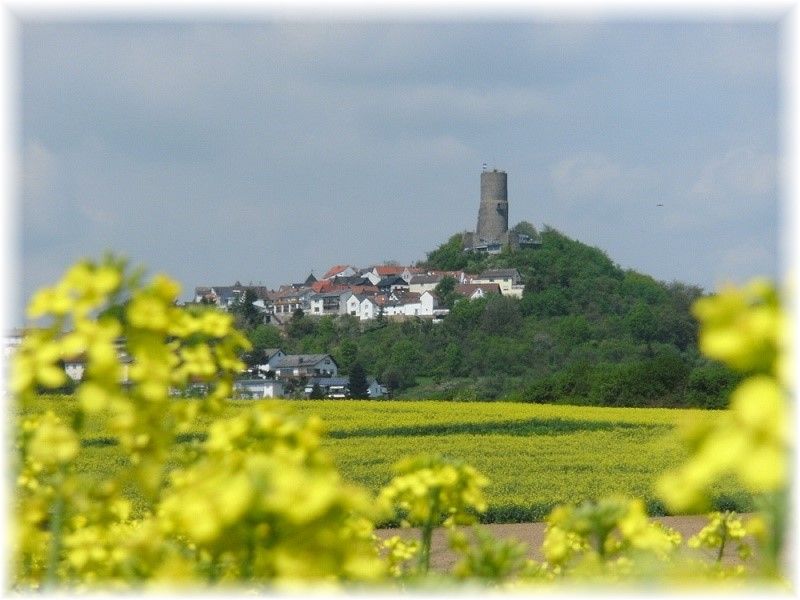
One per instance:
[(493, 211)]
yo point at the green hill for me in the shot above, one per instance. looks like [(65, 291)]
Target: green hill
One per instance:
[(585, 332)]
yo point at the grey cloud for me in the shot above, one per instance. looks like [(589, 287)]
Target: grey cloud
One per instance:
[(39, 184), (740, 172), (737, 186), (595, 178), (260, 150)]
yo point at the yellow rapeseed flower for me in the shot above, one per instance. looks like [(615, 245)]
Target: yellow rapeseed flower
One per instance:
[(148, 312), (759, 405), (165, 288), (53, 442)]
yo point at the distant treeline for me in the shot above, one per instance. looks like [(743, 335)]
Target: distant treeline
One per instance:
[(585, 332)]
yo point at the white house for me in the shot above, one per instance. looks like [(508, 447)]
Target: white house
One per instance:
[(373, 277), (263, 306), (74, 367), (351, 304), (392, 283), (368, 309), (11, 342), (408, 304), (258, 388), (375, 389), (332, 387), (509, 280), (409, 272), (288, 299), (273, 355), (427, 303), (306, 365), (339, 387), (328, 303), (423, 283), (393, 308), (225, 296)]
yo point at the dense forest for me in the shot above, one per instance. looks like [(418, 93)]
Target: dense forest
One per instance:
[(585, 332)]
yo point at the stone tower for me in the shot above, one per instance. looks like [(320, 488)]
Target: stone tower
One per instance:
[(493, 211)]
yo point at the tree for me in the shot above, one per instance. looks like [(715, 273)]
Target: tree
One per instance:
[(358, 381), (501, 316), (300, 325), (449, 256), (254, 357), (454, 360), (246, 312), (642, 324), (346, 356), (265, 336), (392, 378), (316, 392), (445, 291), (525, 228)]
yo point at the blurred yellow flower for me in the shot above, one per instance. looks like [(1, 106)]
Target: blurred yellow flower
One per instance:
[(53, 442)]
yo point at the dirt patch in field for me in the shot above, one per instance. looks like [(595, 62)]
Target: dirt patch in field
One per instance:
[(532, 534)]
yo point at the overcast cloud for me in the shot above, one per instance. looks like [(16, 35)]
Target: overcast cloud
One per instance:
[(261, 151)]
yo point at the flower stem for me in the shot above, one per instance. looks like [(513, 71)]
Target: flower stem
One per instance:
[(53, 556)]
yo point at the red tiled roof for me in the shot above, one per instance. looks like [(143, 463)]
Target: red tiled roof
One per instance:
[(384, 270), (335, 270), (380, 300), (408, 297), (363, 289), (324, 286), (467, 289), (321, 286)]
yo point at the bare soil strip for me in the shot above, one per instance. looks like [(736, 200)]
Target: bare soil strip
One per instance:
[(532, 534)]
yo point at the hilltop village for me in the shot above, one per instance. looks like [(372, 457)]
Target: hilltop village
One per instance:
[(389, 292), (382, 291)]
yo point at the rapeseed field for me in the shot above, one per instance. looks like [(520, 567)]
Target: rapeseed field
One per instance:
[(535, 456)]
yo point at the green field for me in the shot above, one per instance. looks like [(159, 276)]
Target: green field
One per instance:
[(536, 456)]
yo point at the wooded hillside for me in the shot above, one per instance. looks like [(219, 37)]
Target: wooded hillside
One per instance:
[(585, 332)]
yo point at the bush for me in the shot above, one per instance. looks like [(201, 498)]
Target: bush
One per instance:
[(709, 385)]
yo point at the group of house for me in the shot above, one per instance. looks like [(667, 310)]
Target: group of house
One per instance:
[(309, 370), (388, 291), (385, 291), (312, 371)]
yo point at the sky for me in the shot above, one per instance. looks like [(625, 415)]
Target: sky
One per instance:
[(261, 150)]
